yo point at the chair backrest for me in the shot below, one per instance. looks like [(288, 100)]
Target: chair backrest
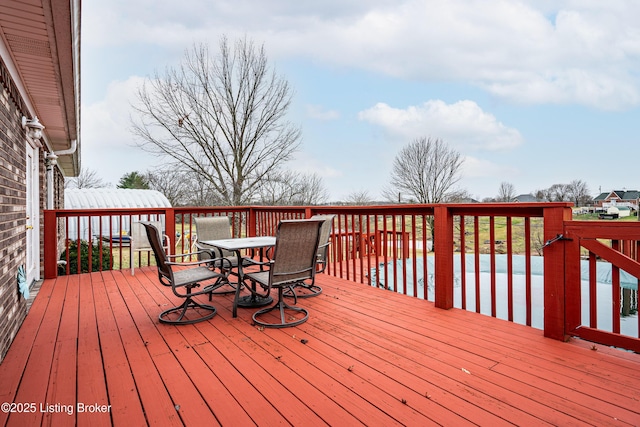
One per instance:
[(139, 239), (295, 251), (155, 240), (213, 228), (323, 241)]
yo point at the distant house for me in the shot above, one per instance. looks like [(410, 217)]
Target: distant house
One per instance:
[(618, 198), (526, 198), (466, 200)]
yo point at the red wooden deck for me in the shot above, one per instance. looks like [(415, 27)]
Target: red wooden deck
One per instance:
[(91, 352)]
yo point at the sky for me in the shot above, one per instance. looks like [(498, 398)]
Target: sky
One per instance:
[(532, 92)]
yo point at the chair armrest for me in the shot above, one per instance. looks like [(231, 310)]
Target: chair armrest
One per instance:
[(214, 251), (201, 262), (187, 254), (265, 254), (209, 260), (256, 262)]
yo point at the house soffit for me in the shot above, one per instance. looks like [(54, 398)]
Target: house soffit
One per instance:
[(43, 42)]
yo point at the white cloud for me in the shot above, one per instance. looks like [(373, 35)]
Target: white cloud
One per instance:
[(578, 52), (569, 51), (107, 137), (462, 124), (473, 167), (108, 120)]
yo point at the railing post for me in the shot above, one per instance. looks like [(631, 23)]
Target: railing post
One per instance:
[(50, 244), (443, 245), (253, 219), (170, 230), (554, 273)]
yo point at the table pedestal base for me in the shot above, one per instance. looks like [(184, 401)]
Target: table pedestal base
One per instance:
[(254, 301)]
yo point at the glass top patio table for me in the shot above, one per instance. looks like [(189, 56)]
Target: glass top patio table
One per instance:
[(241, 243), (236, 245)]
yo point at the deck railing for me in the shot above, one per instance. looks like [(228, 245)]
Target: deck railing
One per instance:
[(487, 258), (605, 314)]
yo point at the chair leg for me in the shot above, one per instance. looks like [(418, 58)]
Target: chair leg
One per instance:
[(302, 290), (231, 287), (282, 308), (189, 303)]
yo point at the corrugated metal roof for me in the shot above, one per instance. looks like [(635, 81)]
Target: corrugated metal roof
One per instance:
[(104, 198)]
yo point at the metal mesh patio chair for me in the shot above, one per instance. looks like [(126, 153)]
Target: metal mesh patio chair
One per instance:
[(217, 228), (294, 260), (310, 289), (184, 280), (324, 242), (140, 242)]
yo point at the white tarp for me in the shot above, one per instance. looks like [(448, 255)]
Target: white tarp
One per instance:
[(628, 325)]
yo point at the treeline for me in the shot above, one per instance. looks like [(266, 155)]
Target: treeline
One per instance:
[(576, 191)]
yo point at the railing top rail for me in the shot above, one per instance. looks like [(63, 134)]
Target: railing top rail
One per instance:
[(488, 209), (106, 211), (628, 230), (482, 209), (535, 209), (207, 209)]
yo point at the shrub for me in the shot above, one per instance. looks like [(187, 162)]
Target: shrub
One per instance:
[(97, 253)]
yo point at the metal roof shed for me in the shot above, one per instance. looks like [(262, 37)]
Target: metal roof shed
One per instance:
[(108, 198)]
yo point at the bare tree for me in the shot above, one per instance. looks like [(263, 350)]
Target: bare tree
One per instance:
[(201, 193), (86, 179), (506, 192), (543, 195), (174, 184), (458, 196), (359, 198), (427, 170), (311, 190), (221, 118), (291, 188), (579, 192), (392, 195), (559, 193)]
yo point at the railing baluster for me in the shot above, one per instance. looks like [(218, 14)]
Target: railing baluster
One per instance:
[(492, 259), (593, 291), (527, 269), (476, 242), (463, 263), (414, 256), (615, 289), (509, 269), (425, 257)]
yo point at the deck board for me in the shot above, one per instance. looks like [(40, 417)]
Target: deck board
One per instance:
[(365, 357), (90, 370), (159, 408), (121, 387)]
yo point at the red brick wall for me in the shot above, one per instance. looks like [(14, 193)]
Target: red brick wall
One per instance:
[(12, 216)]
